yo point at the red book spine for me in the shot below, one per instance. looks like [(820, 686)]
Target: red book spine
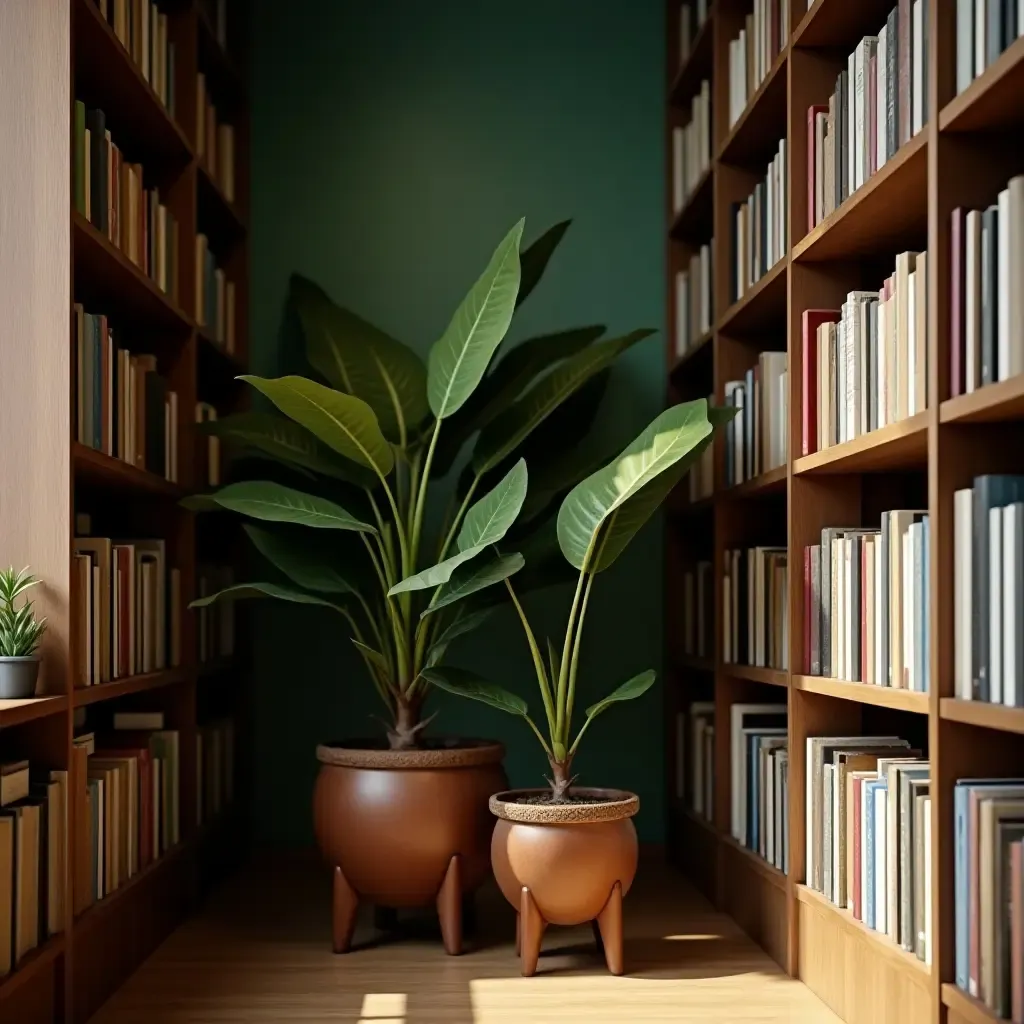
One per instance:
[(812, 320), (956, 304), (904, 30), (808, 610), (857, 800)]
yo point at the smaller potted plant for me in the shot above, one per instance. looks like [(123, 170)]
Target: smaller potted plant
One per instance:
[(567, 855), (20, 633)]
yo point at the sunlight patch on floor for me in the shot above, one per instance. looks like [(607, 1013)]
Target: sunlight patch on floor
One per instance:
[(383, 1008)]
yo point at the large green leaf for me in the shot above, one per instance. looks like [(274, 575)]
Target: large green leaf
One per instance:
[(343, 422), (460, 356), (271, 502), (554, 476), (618, 499), (456, 628), (535, 257), (303, 563), (472, 578), (630, 689), (504, 435), (464, 683), (358, 358), (241, 591)]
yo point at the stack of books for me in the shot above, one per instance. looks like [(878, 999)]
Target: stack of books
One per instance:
[(866, 597), (215, 298), (989, 892), (755, 598), (988, 590), (123, 406), (984, 28), (127, 617), (986, 315), (880, 102), (759, 228), (215, 143), (142, 30), (109, 192), (753, 52), (698, 622), (701, 478), (866, 366), (691, 148), (209, 449), (215, 769), (757, 438), (216, 621), (695, 758), (693, 299), (759, 755), (691, 20), (33, 851), (869, 843), (128, 802)]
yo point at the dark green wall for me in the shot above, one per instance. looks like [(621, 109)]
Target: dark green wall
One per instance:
[(394, 143)]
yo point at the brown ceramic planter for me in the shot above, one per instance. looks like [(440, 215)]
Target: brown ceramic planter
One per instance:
[(565, 864), (405, 828)]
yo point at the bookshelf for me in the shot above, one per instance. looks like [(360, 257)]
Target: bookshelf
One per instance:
[(51, 257), (964, 154)]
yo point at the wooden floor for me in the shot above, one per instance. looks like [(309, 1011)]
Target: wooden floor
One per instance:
[(259, 954)]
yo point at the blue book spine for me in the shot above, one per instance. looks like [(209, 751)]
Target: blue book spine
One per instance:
[(961, 875), (867, 897)]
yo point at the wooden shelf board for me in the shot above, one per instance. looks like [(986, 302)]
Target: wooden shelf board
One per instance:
[(702, 346), (891, 205), (756, 674), (767, 871), (864, 693), (830, 23), (697, 65), (764, 301), (983, 714), (895, 954), (97, 467), (992, 100), (896, 446), (757, 132), (694, 818), (972, 1010), (132, 684), (693, 221), (33, 963), (770, 482), (17, 712), (992, 403)]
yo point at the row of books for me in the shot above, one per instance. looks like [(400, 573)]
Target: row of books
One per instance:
[(759, 755), (693, 298), (759, 228), (988, 590), (988, 819), (869, 843), (701, 478), (866, 365), (986, 312), (216, 621), (691, 20), (123, 405), (752, 54), (111, 194), (215, 298), (756, 440), (142, 30), (691, 148), (127, 617), (127, 802), (755, 599), (215, 141), (698, 622), (208, 470), (695, 758), (880, 102), (33, 845), (215, 769), (984, 28), (866, 603)]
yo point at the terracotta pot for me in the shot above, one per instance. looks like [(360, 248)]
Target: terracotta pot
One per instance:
[(565, 864), (405, 828)]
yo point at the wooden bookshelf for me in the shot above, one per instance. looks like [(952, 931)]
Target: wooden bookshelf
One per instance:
[(963, 156), (52, 257)]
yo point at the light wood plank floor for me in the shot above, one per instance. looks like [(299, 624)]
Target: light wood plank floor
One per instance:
[(259, 954)]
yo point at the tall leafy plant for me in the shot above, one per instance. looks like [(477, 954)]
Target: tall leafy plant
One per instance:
[(363, 444)]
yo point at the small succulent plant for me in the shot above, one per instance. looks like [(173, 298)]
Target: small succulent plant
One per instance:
[(20, 631)]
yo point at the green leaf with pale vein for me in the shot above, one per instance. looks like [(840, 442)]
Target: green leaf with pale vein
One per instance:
[(474, 577), (301, 559), (464, 683), (275, 503)]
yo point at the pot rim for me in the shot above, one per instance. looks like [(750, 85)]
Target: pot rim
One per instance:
[(615, 805), (471, 753), (20, 658)]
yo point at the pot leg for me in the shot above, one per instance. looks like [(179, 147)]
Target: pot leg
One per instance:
[(449, 907), (519, 934), (531, 933), (345, 906), (609, 922)]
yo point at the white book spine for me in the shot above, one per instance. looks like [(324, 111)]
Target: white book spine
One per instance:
[(963, 546), (677, 170), (927, 944), (1003, 271), (912, 367), (1015, 246), (980, 11), (972, 303), (1011, 601), (859, 136), (995, 602), (964, 43), (851, 121), (918, 80), (880, 678), (881, 81), (907, 605)]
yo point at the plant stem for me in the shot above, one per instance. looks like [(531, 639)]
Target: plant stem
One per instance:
[(540, 736), (563, 672), (576, 656), (421, 496), (458, 518), (560, 779), (538, 662)]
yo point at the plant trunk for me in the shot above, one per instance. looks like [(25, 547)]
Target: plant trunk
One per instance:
[(404, 734), (560, 780)]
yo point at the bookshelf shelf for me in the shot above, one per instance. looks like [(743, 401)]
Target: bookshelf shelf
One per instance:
[(692, 223), (890, 208), (992, 403), (32, 966), (830, 24), (982, 714), (697, 65), (17, 712), (966, 1008), (701, 822), (896, 446), (757, 132), (97, 467), (757, 674), (992, 100), (864, 693), (701, 345), (773, 481), (768, 872), (765, 300), (132, 684)]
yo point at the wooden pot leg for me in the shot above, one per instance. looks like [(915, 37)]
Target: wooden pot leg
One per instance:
[(345, 906), (449, 907), (531, 933), (519, 934), (609, 921)]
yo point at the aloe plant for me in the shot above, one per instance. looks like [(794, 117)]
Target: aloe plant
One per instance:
[(363, 446), (596, 521), (20, 631)]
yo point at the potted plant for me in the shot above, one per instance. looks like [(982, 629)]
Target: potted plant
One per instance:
[(567, 854), (403, 820), (20, 633)]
